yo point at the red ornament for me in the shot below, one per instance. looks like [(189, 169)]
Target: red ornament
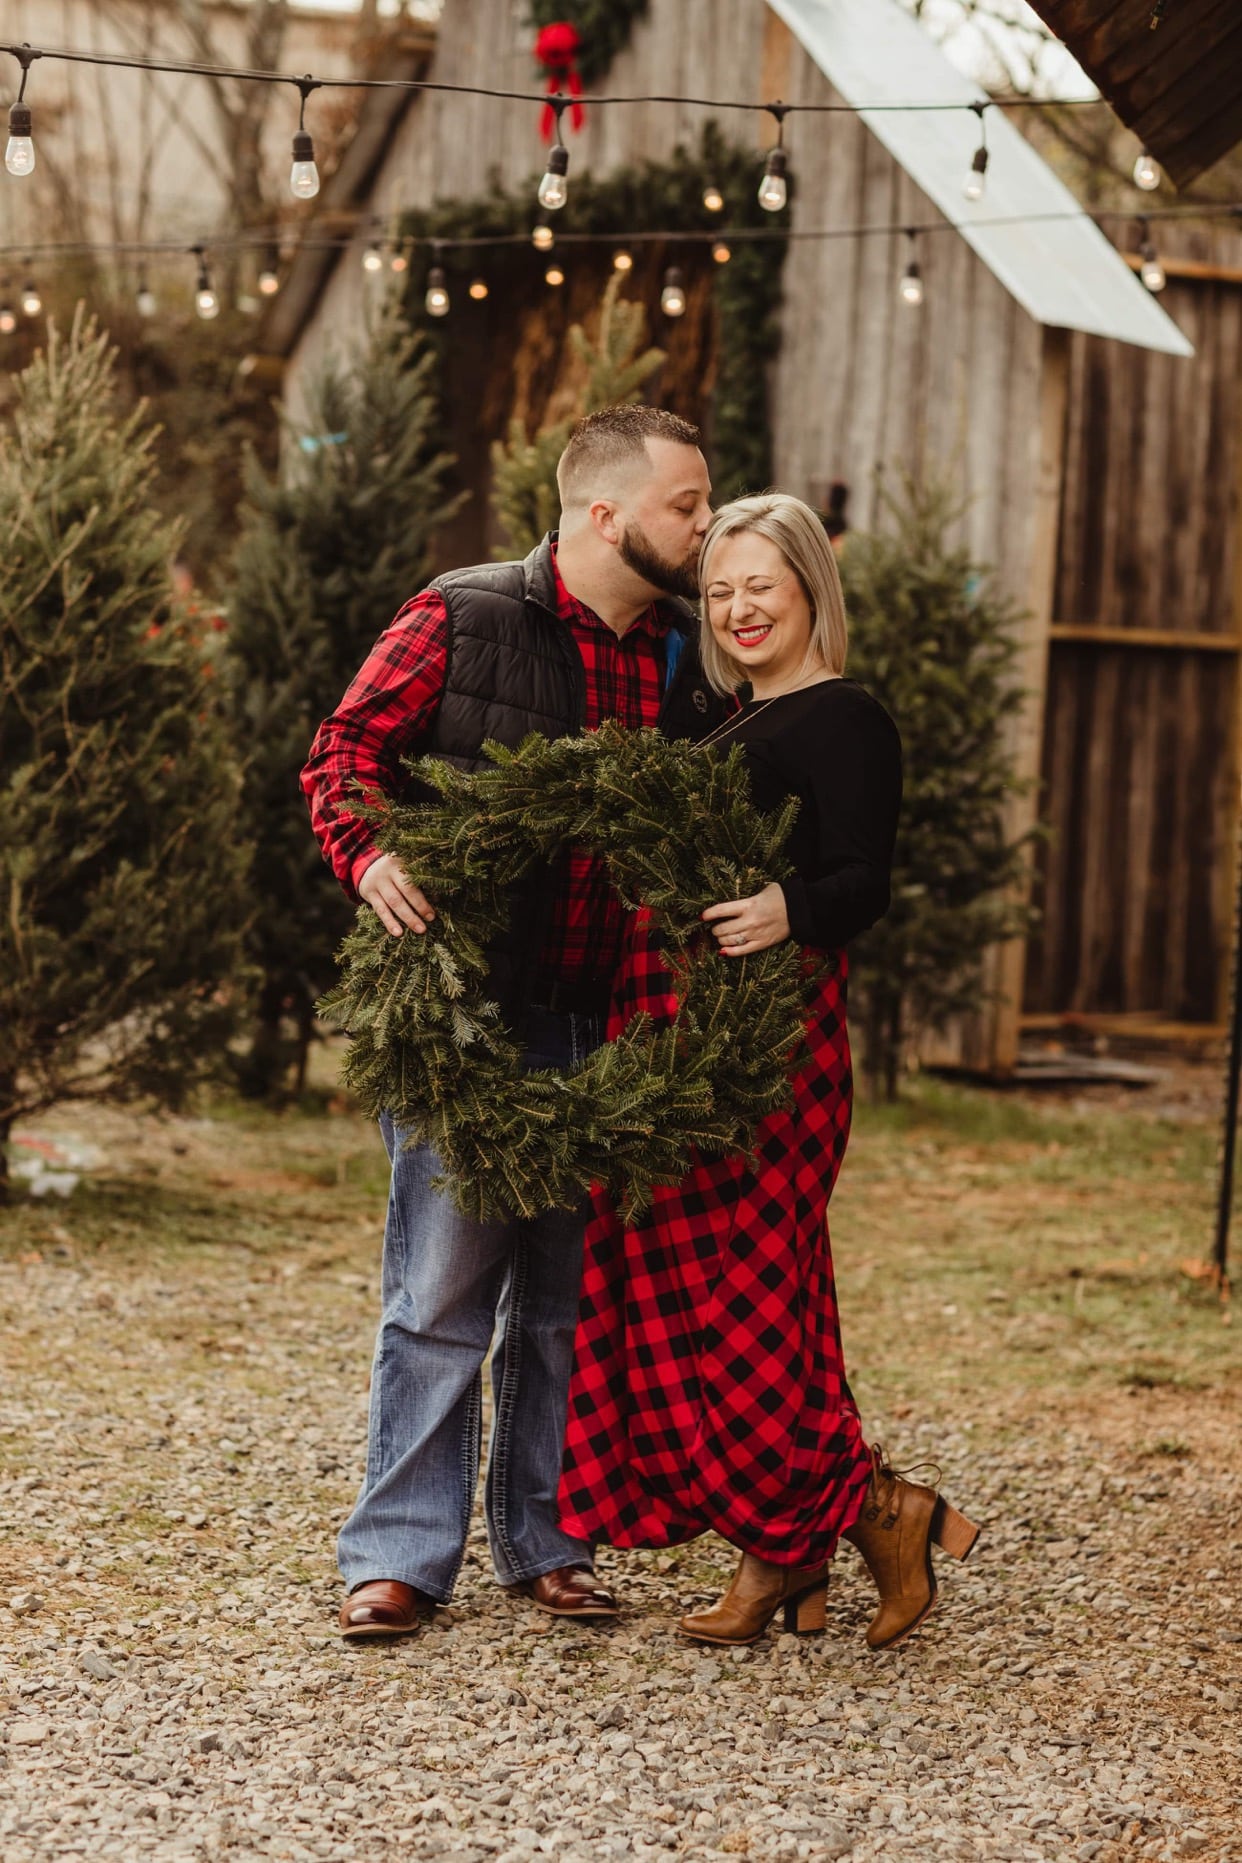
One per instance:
[(556, 50)]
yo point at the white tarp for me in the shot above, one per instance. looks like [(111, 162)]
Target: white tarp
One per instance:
[(1061, 271)]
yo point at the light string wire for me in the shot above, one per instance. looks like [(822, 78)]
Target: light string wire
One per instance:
[(309, 240), (244, 75)]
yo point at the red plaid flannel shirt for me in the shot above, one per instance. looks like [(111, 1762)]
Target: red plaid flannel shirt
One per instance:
[(391, 704)]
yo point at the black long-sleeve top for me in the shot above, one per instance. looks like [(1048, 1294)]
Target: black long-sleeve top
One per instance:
[(836, 748)]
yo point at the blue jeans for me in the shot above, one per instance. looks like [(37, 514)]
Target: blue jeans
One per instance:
[(449, 1284)]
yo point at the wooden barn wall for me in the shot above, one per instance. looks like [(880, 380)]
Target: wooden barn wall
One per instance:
[(859, 380), (1140, 758), (455, 146)]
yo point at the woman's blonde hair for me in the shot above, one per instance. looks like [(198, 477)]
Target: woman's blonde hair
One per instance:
[(799, 536)]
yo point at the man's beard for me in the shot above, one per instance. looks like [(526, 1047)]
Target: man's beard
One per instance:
[(637, 550)]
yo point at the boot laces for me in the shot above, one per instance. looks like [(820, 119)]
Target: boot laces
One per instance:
[(886, 1481)]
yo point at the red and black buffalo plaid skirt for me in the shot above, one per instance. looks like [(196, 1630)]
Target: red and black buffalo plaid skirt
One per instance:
[(708, 1388)]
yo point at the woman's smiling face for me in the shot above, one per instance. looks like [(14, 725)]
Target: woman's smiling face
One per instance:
[(759, 612)]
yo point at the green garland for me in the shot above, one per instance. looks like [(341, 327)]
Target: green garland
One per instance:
[(604, 26), (657, 196), (678, 833)]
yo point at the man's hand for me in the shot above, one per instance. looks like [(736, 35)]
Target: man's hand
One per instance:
[(396, 899), (743, 926)]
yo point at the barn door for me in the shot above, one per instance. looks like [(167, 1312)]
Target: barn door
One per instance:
[(1141, 722)]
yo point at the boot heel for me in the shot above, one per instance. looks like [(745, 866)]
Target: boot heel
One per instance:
[(952, 1532), (809, 1612)]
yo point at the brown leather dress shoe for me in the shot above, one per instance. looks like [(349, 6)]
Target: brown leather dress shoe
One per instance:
[(571, 1591), (385, 1608)]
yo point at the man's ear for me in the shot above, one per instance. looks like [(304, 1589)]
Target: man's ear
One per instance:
[(605, 516)]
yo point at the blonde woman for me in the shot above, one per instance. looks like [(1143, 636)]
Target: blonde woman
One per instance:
[(709, 1389)]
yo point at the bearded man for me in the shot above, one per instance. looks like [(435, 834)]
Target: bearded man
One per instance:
[(581, 632)]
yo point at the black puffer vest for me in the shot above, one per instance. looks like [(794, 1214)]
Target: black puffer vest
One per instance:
[(513, 668)]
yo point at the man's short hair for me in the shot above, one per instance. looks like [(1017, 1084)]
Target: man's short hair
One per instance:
[(604, 446)]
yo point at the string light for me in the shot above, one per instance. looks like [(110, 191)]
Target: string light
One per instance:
[(19, 154), (976, 180), (713, 199), (673, 296), (542, 238), (8, 316), (304, 176), (911, 286), (32, 303), (623, 261), (269, 277), (437, 299), (774, 189), (554, 188), (373, 259), (206, 303), (478, 289), (721, 253), (144, 298), (1146, 172), (1151, 271), (399, 261), (554, 276)]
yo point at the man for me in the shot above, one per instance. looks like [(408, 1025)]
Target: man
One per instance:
[(574, 635)]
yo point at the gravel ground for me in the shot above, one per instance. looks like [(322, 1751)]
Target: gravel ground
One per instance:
[(180, 1433)]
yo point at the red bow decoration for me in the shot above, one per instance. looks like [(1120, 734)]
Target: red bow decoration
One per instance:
[(556, 49)]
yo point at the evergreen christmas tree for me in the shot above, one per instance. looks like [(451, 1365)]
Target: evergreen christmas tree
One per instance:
[(120, 855), (934, 643), (610, 373), (330, 551)]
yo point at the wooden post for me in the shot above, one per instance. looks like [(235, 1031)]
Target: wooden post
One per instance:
[(1010, 974), (1230, 994)]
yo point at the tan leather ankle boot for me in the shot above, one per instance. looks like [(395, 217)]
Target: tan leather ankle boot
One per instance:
[(758, 1591), (894, 1533)]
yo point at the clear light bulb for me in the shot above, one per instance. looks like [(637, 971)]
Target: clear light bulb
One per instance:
[(542, 237), (399, 262), (478, 289), (1151, 271), (206, 303), (673, 296), (1146, 173), (436, 301), (976, 180), (721, 253), (8, 320), (554, 276), (269, 281), (623, 261), (372, 259), (713, 199), (32, 303), (911, 287), (773, 189), (145, 300), (304, 176), (554, 188), (19, 155)]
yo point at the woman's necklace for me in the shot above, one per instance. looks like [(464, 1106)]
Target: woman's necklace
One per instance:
[(731, 724)]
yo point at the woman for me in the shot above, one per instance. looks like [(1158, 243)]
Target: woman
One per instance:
[(709, 1389)]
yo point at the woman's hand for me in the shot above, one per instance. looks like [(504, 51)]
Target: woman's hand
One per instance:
[(743, 926)]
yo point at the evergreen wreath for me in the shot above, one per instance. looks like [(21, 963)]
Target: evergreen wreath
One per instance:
[(678, 832), (603, 26)]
